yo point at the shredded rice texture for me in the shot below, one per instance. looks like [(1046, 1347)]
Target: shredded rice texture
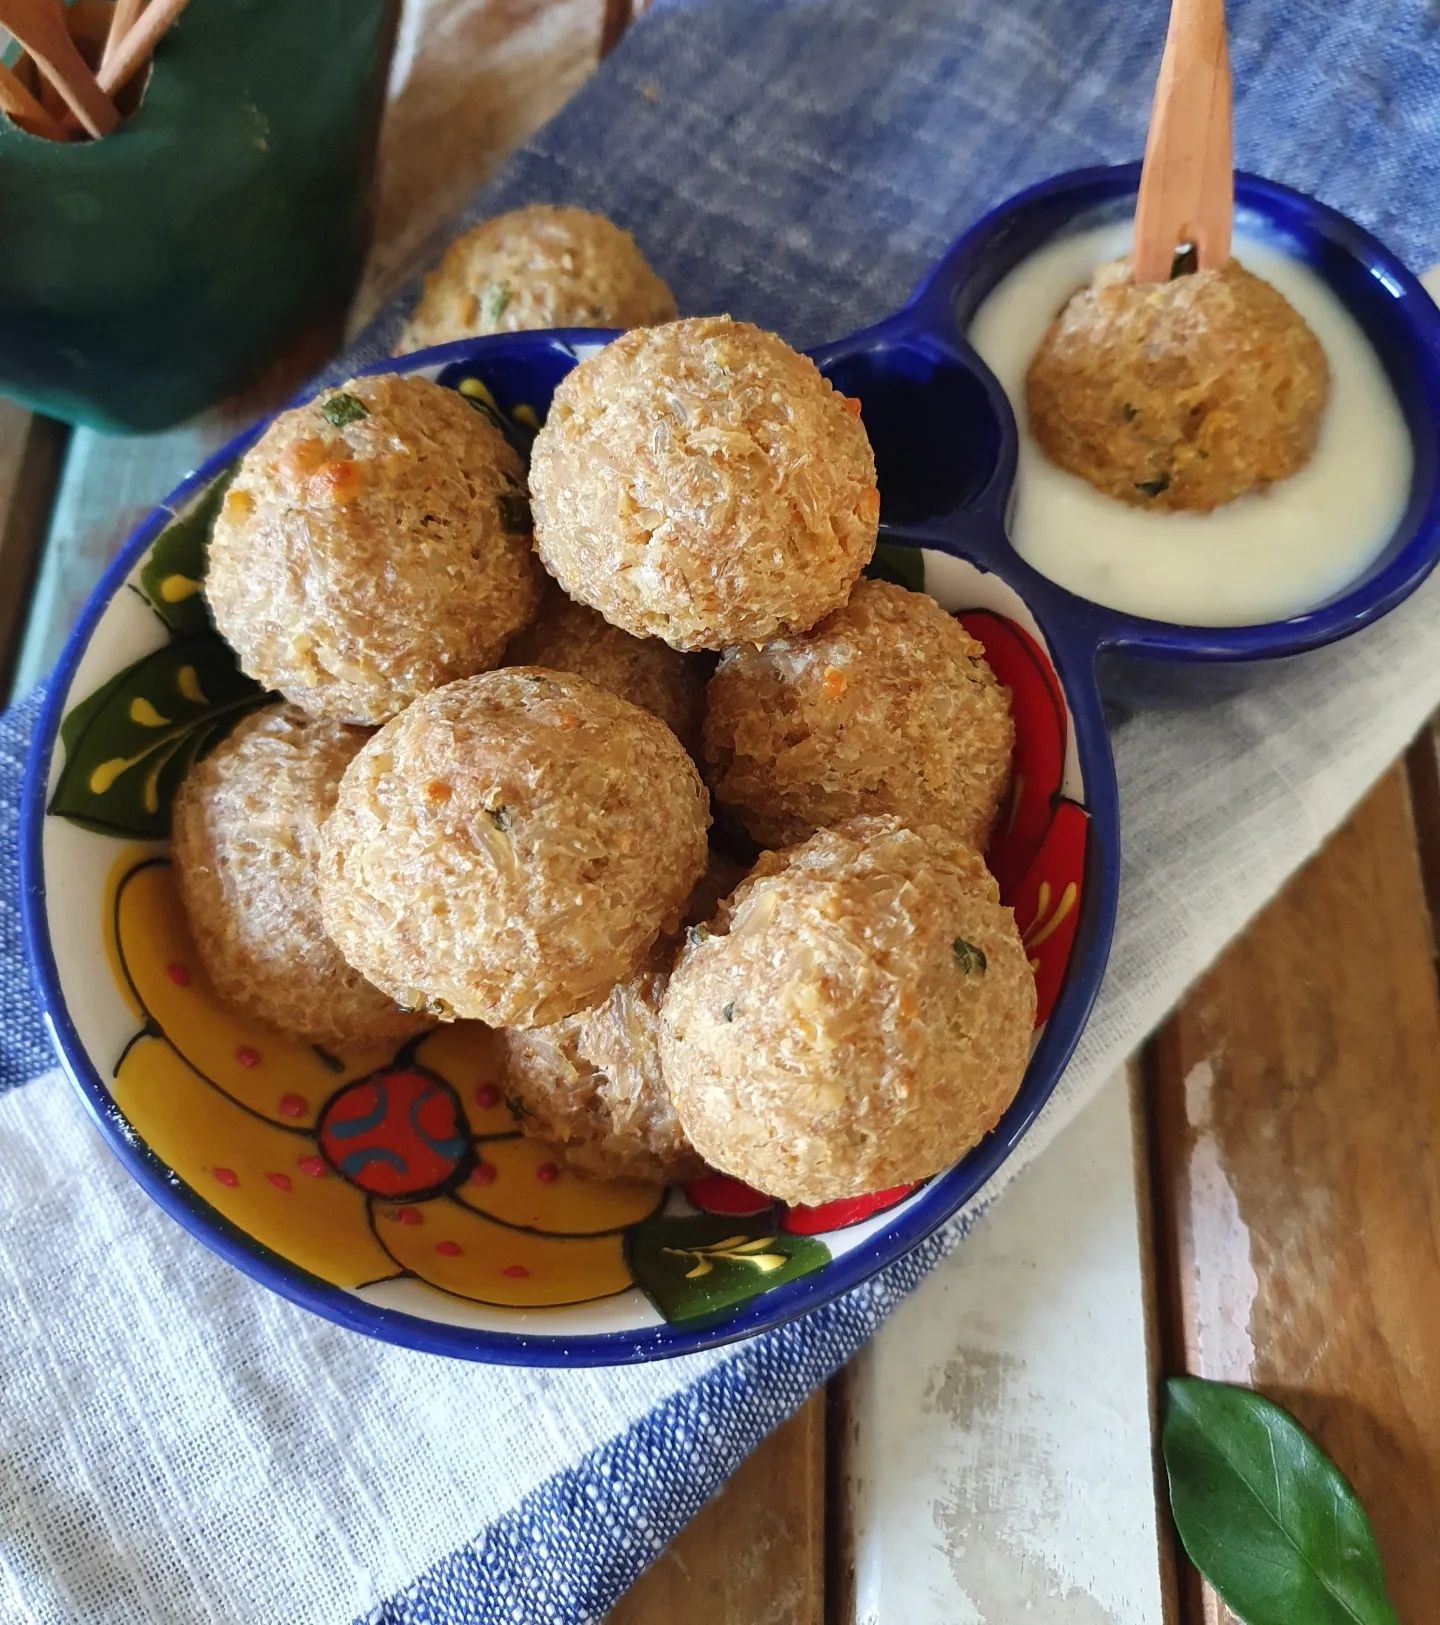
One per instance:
[(858, 1016), (567, 636), (702, 483), (1178, 395), (537, 267), (356, 564), (887, 706), (511, 846), (590, 1085), (245, 842)]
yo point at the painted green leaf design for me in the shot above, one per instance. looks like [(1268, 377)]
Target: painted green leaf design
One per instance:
[(173, 573), (702, 1267), (128, 745), (1264, 1513), (516, 430), (905, 566)]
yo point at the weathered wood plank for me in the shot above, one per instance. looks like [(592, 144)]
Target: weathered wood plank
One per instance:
[(1297, 1111), (996, 1454), (756, 1554), (31, 450), (1423, 764)]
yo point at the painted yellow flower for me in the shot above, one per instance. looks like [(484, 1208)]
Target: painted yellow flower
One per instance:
[(358, 1167)]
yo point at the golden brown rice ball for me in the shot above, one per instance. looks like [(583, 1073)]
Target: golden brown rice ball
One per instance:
[(245, 842), (858, 1017), (704, 484), (887, 706), (374, 544), (1179, 394), (567, 636), (537, 267), (590, 1084), (511, 846)]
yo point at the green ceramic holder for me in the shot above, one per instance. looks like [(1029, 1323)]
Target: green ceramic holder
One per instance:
[(144, 276)]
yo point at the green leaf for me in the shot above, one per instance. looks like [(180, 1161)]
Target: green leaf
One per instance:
[(173, 573), (1155, 487), (494, 301), (129, 744), (341, 409), (704, 1267), (968, 957), (905, 566), (1265, 1515)]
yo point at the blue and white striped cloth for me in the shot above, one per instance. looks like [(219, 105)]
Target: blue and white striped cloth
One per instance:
[(176, 1445)]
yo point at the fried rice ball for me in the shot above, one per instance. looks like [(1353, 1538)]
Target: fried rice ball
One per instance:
[(590, 1084), (567, 636), (703, 483), (245, 843), (536, 267), (374, 545), (888, 706), (858, 1017), (1178, 395), (511, 846)]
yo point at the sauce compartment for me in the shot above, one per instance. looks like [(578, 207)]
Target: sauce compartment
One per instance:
[(913, 392), (1396, 316)]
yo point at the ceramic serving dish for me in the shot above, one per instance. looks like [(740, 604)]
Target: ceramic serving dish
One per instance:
[(390, 1190)]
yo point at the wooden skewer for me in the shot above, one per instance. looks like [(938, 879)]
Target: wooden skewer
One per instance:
[(41, 28), (1187, 184), (25, 110), (134, 50), (122, 20)]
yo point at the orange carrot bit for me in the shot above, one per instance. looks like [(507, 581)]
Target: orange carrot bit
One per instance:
[(908, 1004), (833, 682), (335, 484), (852, 406), (302, 458), (239, 504), (568, 720)]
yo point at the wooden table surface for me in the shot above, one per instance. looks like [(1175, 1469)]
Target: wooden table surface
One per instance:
[(1258, 1200)]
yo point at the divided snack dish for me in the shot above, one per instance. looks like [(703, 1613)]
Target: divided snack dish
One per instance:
[(1397, 315), (136, 1037)]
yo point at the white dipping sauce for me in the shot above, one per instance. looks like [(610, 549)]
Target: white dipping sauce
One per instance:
[(1259, 558)]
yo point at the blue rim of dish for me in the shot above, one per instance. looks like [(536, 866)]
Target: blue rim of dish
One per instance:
[(1072, 653)]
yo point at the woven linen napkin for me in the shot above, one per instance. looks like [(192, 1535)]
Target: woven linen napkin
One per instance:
[(178, 1445)]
